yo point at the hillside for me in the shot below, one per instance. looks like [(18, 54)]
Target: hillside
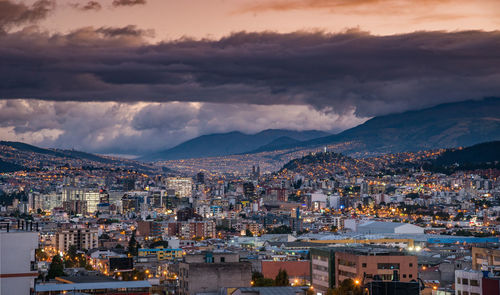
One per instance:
[(6, 167), (443, 126), (488, 152), (235, 142), (15, 156)]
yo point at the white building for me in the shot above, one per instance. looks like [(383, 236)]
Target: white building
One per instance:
[(380, 227), (17, 262), (468, 282)]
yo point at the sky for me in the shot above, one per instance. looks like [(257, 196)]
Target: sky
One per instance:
[(136, 76)]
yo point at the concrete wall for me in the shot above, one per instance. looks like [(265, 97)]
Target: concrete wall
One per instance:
[(17, 250), (210, 277)]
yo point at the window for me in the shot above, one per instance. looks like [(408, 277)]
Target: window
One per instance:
[(411, 264), (410, 276), (364, 264), (474, 283), (388, 265), (465, 282), (458, 281), (404, 276), (223, 259)]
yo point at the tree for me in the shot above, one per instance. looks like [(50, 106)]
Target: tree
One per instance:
[(75, 259), (248, 233), (259, 280), (56, 268), (133, 245), (282, 278), (459, 216)]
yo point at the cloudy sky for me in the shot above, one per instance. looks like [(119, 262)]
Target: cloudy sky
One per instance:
[(133, 76)]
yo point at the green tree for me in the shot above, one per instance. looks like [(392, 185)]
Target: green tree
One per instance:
[(282, 278), (75, 259), (56, 268), (259, 280)]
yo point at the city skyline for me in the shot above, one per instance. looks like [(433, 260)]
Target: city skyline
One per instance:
[(108, 76)]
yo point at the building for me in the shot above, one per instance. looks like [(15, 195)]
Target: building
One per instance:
[(82, 238), (331, 266), (299, 271), (98, 287), (91, 197), (161, 253), (380, 227), (209, 272), (468, 282), (266, 291), (485, 258), (17, 261), (149, 228), (198, 229), (182, 185)]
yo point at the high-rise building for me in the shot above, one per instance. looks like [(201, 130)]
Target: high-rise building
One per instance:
[(182, 185), (91, 197)]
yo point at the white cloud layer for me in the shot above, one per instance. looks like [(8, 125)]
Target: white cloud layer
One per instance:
[(136, 128)]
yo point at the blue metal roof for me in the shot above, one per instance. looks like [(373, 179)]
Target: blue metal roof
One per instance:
[(468, 240)]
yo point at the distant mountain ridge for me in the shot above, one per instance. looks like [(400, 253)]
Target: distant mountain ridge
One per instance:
[(17, 156), (444, 126), (222, 144)]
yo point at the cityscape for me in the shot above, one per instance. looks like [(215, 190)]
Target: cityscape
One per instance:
[(210, 147)]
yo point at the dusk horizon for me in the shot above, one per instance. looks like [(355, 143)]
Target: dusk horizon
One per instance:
[(250, 147)]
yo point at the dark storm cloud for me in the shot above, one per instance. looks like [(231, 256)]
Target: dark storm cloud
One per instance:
[(13, 13), (125, 31), (91, 5), (128, 2), (338, 72)]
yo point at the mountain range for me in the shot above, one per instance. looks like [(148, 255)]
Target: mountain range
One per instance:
[(16, 156), (444, 126), (222, 144)]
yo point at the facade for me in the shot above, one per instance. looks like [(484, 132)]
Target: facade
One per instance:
[(90, 197), (82, 238), (149, 228), (17, 264), (365, 264), (485, 258), (468, 282), (197, 229), (299, 271), (162, 253), (182, 185), (322, 269), (209, 272), (331, 266)]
